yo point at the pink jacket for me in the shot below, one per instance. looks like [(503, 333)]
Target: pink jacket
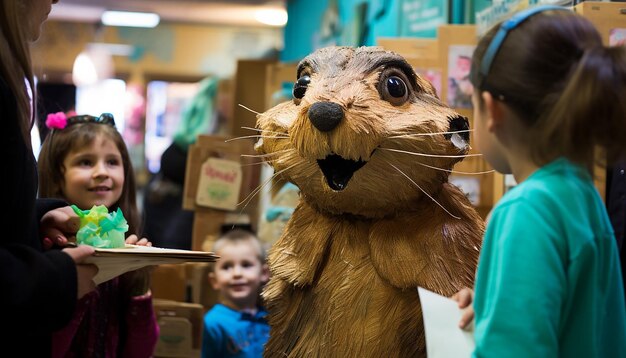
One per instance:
[(105, 324)]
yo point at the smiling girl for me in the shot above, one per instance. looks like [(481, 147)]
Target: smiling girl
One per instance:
[(85, 162)]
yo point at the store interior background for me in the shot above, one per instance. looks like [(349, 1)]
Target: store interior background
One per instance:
[(147, 77)]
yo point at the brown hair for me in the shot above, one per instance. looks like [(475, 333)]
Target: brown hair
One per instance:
[(237, 236), (15, 62), (60, 143), (570, 90)]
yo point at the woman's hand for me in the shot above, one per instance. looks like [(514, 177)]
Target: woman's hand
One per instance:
[(85, 273), (464, 298), (58, 227)]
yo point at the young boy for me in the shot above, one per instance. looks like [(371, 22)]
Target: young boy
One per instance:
[(236, 327)]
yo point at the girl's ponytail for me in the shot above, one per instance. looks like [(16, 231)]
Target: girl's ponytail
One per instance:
[(591, 110)]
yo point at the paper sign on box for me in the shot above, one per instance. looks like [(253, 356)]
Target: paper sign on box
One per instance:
[(220, 183)]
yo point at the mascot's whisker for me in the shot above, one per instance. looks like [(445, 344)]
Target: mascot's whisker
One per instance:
[(255, 136), (269, 154), (424, 191), (248, 109), (260, 187), (252, 164), (429, 134), (252, 129), (455, 171), (431, 155), (266, 158), (263, 130)]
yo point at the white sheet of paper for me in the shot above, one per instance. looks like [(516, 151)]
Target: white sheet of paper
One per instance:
[(444, 338)]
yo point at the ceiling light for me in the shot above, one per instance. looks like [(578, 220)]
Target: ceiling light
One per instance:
[(273, 17), (84, 71), (131, 19), (91, 66)]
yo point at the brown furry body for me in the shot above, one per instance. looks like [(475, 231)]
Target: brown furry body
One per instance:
[(345, 271)]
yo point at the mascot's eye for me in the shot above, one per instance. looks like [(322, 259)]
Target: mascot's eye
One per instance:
[(299, 88), (394, 89)]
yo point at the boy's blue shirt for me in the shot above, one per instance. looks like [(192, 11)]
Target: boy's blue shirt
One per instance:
[(230, 333)]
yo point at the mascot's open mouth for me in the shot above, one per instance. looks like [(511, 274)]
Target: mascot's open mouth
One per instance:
[(338, 171)]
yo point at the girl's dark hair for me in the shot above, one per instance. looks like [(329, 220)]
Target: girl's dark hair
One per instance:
[(570, 90), (60, 143)]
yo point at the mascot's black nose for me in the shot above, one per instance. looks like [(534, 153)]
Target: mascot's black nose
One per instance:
[(325, 116)]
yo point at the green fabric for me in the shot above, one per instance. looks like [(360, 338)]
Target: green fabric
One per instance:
[(549, 280), (198, 117)]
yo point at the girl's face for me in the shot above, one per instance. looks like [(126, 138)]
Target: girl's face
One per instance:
[(94, 175), (481, 135), (37, 13), (485, 138)]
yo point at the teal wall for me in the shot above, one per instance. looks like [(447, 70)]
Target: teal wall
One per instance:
[(360, 22), (304, 22), (304, 31)]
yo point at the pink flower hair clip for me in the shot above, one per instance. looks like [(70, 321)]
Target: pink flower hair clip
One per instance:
[(56, 120)]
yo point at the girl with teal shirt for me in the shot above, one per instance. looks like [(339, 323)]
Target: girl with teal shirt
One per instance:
[(548, 95)]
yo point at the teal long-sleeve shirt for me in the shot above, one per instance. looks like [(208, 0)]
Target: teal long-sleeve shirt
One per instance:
[(549, 280)]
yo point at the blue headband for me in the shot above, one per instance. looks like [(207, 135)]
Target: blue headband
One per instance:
[(503, 31)]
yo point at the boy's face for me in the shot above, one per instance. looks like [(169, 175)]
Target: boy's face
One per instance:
[(94, 175), (239, 274)]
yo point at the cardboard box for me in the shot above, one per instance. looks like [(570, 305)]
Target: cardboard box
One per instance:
[(200, 290), (206, 229), (208, 221), (180, 327), (250, 80), (411, 48), (276, 74), (606, 16), (169, 282), (186, 282), (216, 146)]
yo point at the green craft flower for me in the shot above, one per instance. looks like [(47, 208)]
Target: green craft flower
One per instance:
[(101, 229)]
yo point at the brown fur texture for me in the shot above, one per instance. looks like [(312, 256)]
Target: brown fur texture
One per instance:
[(345, 271)]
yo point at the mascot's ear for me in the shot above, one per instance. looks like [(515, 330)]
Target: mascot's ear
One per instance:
[(460, 125)]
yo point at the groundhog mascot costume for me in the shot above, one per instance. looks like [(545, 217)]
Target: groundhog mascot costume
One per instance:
[(370, 146)]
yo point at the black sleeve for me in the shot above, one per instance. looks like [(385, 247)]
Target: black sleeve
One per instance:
[(39, 289), (45, 205)]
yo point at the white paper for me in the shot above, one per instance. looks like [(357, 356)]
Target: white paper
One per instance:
[(444, 338)]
